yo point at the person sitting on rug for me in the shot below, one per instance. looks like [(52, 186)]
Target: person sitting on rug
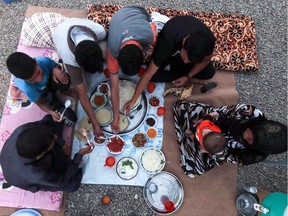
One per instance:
[(208, 135), (250, 136), (36, 158), (39, 79), (182, 53), (131, 31), (76, 41)]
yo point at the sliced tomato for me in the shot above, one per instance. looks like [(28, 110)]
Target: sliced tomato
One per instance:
[(151, 87), (161, 111)]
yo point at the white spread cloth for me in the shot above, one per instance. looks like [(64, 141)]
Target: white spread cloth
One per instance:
[(94, 171)]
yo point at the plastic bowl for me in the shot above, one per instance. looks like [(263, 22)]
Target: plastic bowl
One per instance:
[(98, 100), (154, 101), (148, 122), (151, 132), (112, 144), (103, 88)]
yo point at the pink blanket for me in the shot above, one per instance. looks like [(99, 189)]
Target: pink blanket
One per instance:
[(15, 113)]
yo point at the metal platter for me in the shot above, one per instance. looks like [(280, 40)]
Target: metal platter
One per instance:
[(163, 185), (136, 116)]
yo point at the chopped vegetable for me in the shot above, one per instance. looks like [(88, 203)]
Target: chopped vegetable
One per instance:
[(128, 163)]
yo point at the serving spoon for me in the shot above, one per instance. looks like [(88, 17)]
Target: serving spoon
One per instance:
[(84, 133), (67, 104)]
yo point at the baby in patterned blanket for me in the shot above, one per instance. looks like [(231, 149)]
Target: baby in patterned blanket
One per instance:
[(208, 135)]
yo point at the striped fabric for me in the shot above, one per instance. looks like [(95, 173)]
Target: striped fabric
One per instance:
[(37, 30)]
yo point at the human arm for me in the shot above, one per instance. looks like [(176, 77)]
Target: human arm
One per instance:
[(143, 82), (78, 83), (194, 71), (41, 103), (114, 79), (59, 75)]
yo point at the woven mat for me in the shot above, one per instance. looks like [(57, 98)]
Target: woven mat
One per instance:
[(211, 194)]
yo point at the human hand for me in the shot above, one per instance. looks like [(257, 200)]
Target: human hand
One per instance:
[(215, 115), (59, 75), (180, 81), (88, 149), (56, 116), (97, 131), (128, 106), (115, 125)]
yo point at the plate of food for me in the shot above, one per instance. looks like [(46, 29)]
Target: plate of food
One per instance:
[(138, 112), (154, 101), (98, 100), (100, 140), (103, 88), (123, 122), (104, 116), (150, 121), (83, 134), (139, 140), (152, 133), (127, 168), (152, 160), (115, 145)]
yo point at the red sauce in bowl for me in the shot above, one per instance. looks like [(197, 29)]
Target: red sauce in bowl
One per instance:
[(115, 144), (99, 100)]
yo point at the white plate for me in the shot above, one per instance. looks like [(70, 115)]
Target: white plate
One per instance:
[(26, 212), (127, 172), (152, 160), (112, 152)]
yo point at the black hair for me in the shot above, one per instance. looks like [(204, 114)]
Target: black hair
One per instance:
[(21, 65), (34, 140), (198, 45), (130, 59), (89, 56), (214, 142)]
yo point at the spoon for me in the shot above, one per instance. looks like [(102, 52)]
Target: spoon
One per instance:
[(84, 133), (67, 104), (138, 108)]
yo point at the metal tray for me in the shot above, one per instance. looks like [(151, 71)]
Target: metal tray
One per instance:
[(163, 184), (135, 117)]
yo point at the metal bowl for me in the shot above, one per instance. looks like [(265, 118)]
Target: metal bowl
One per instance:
[(127, 172), (245, 204), (152, 154), (163, 184)]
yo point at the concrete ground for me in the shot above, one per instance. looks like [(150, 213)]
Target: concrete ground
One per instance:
[(266, 89)]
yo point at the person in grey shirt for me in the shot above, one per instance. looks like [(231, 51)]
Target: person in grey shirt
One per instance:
[(76, 41), (131, 31)]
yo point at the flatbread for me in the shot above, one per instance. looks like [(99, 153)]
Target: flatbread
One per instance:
[(79, 135)]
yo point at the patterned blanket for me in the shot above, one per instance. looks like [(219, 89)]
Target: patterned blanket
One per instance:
[(186, 115), (235, 48)]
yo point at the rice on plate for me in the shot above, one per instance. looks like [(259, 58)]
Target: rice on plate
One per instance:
[(152, 160), (126, 92)]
